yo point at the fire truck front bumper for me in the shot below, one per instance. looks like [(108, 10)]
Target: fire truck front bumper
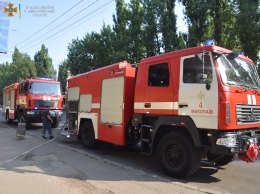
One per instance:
[(37, 113), (56, 113), (244, 143)]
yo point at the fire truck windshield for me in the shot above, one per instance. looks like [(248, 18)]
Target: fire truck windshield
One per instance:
[(238, 72), (44, 88)]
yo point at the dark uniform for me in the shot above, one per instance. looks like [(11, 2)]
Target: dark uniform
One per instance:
[(46, 121)]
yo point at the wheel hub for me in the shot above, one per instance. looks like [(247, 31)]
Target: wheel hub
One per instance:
[(174, 156)]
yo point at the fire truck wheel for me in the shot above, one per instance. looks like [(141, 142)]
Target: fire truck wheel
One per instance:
[(56, 123), (87, 135), (178, 156), (222, 161)]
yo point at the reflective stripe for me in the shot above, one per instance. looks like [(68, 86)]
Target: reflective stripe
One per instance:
[(254, 99), (251, 99), (157, 105), (154, 105), (95, 105)]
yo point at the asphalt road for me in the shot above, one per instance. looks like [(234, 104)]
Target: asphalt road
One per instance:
[(237, 177)]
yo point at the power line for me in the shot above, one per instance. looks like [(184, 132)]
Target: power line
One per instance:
[(72, 24), (49, 23), (60, 24), (81, 23)]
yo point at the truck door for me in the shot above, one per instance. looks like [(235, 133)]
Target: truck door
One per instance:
[(198, 90), (158, 89)]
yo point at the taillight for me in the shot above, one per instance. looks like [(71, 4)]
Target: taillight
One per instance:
[(29, 102), (228, 113)]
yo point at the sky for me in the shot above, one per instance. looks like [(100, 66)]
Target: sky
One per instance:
[(56, 23)]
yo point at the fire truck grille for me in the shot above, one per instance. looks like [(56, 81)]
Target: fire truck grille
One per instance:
[(248, 114), (45, 103)]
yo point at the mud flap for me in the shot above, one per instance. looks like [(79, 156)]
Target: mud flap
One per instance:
[(251, 154)]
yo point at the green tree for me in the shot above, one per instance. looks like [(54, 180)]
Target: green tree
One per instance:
[(151, 28), (167, 23), (248, 27), (63, 75), (120, 19), (4, 81), (43, 63), (199, 20), (77, 57), (95, 50), (101, 47), (135, 24), (22, 67), (224, 33)]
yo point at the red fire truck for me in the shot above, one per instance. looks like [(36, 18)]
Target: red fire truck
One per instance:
[(187, 106), (25, 100)]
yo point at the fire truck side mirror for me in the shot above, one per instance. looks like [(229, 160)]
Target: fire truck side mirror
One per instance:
[(208, 85), (232, 55)]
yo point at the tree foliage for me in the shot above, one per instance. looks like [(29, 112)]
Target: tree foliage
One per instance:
[(200, 24), (95, 50), (151, 29), (144, 28), (135, 23), (22, 67), (168, 28), (248, 27), (63, 74), (120, 18), (43, 63)]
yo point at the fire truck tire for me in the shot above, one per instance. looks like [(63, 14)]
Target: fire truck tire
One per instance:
[(178, 156), (221, 161), (56, 123), (87, 135)]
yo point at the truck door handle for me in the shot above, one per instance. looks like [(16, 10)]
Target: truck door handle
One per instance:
[(147, 105), (183, 105)]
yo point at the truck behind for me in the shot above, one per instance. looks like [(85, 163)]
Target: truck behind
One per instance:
[(24, 101)]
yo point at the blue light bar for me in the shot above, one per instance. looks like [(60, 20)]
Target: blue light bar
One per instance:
[(210, 42), (44, 78)]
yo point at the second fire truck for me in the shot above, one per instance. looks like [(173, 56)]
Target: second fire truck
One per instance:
[(25, 100)]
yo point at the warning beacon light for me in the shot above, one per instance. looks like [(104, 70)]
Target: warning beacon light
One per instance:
[(210, 42)]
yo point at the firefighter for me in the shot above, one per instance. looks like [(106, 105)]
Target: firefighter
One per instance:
[(46, 122)]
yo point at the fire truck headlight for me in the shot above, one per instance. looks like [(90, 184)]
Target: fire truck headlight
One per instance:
[(227, 141), (30, 112)]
